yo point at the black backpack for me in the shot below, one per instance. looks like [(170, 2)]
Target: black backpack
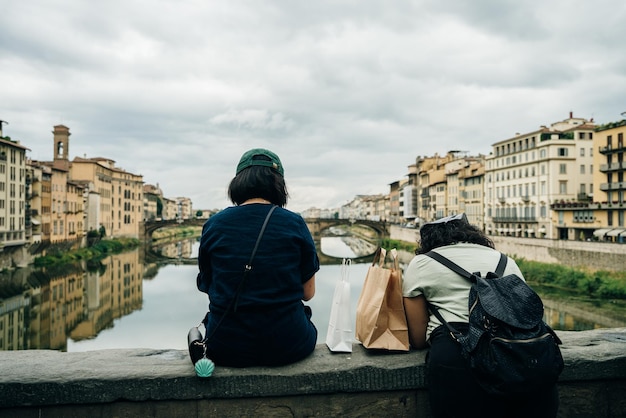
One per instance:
[(510, 349)]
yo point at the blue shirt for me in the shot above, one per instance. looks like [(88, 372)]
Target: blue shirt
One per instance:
[(271, 325)]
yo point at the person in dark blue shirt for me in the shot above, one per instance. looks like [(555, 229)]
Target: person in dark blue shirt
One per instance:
[(270, 325)]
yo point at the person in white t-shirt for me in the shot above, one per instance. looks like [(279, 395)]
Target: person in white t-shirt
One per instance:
[(452, 388)]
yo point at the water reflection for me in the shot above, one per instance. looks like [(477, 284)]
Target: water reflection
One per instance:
[(40, 309), (348, 242), (125, 302)]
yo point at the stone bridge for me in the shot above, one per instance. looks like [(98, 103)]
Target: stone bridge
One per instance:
[(317, 226), (150, 226)]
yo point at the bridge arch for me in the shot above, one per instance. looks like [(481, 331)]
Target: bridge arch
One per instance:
[(151, 226), (318, 226)]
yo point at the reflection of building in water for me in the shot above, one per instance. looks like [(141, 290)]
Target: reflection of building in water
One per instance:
[(113, 292), (179, 249), (13, 311), (359, 246), (56, 306), (67, 301), (567, 316)]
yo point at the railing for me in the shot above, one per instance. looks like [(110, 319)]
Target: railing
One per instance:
[(609, 149), (514, 219), (618, 185), (613, 166)]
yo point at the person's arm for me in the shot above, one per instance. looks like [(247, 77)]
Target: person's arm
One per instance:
[(417, 320), (309, 289)]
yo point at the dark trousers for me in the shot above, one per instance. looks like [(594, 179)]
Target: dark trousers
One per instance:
[(453, 391)]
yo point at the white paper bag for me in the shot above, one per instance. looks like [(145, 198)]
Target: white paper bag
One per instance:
[(340, 334)]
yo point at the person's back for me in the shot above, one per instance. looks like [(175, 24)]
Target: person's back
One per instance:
[(258, 318), (453, 390), (269, 326)]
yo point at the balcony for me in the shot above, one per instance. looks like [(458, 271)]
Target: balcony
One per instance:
[(607, 205), (525, 198), (618, 185), (619, 166), (563, 205), (521, 219), (609, 149)]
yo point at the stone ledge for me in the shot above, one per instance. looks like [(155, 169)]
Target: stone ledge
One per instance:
[(42, 377)]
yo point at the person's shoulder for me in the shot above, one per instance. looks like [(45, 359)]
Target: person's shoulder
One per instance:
[(289, 215)]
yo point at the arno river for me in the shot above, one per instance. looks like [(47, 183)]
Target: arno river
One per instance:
[(125, 302)]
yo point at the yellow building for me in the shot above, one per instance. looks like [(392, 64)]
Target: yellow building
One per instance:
[(431, 199), (601, 218), (121, 194), (609, 183)]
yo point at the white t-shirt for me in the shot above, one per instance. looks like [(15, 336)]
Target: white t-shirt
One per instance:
[(444, 288)]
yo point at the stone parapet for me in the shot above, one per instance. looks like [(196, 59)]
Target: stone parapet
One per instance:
[(161, 383)]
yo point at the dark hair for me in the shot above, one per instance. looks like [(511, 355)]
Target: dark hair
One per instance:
[(439, 234), (258, 181)]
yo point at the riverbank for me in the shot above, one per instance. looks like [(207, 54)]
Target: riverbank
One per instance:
[(96, 251), (599, 284)]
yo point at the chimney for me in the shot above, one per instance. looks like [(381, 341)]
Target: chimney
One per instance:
[(571, 114)]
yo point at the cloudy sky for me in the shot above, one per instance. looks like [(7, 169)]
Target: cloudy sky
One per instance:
[(347, 93)]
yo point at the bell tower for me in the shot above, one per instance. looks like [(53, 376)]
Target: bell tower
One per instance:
[(61, 146)]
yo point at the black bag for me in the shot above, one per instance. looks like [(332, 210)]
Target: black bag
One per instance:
[(510, 349)]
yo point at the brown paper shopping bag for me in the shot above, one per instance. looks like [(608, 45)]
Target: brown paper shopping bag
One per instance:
[(380, 319)]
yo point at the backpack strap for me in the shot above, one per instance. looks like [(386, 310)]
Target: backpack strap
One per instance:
[(460, 270), (469, 276)]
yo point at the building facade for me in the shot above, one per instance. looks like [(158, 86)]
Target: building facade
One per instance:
[(529, 172), (12, 192)]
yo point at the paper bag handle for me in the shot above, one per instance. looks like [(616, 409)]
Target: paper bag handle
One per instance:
[(379, 257), (394, 256)]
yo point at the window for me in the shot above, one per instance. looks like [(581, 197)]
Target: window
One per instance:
[(562, 152), (563, 187), (582, 169), (582, 152), (562, 168), (542, 153)]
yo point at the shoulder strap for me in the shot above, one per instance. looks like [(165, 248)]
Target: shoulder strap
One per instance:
[(247, 268), (450, 264), (501, 265), (460, 270), (469, 276)]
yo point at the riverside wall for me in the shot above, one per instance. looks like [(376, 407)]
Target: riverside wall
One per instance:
[(579, 254), (161, 383)]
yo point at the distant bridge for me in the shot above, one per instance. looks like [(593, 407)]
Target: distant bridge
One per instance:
[(317, 226), (151, 226)]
